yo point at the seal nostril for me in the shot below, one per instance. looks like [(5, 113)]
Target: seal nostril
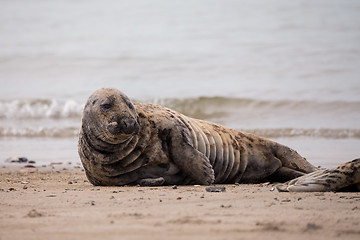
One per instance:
[(130, 126), (113, 124)]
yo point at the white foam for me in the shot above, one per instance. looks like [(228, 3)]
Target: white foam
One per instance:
[(40, 108)]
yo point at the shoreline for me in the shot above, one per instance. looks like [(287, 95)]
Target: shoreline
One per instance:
[(322, 152), (56, 202)]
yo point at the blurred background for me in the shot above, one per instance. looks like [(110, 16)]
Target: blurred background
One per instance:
[(285, 70)]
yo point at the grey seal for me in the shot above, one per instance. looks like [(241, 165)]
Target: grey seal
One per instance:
[(126, 143)]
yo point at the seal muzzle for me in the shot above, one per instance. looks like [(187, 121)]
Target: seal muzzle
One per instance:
[(127, 126)]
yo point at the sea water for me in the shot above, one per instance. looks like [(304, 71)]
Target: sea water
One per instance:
[(285, 70)]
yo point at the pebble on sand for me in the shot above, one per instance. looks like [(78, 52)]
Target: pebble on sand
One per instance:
[(215, 189)]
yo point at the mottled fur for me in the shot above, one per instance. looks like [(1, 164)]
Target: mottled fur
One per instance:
[(124, 143)]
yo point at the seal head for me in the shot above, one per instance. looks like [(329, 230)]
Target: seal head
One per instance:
[(110, 117)]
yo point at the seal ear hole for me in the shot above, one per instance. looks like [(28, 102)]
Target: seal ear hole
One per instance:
[(128, 102), (93, 103)]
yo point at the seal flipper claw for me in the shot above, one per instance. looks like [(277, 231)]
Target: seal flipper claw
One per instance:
[(333, 179)]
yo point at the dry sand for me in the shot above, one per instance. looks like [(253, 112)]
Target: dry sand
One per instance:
[(47, 203)]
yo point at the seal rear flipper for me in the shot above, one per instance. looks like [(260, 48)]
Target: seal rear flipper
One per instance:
[(291, 159), (333, 179), (284, 174)]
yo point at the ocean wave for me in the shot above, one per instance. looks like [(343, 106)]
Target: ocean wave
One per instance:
[(299, 132), (32, 132), (267, 133), (40, 108), (221, 107), (207, 108)]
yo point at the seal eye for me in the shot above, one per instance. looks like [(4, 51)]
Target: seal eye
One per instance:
[(105, 106), (131, 107)]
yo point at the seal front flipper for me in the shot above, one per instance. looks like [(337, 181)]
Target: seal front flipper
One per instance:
[(191, 161), (151, 181), (333, 179)]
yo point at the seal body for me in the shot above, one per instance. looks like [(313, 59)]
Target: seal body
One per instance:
[(124, 143)]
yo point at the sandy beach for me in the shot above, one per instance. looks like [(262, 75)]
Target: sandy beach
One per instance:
[(57, 202)]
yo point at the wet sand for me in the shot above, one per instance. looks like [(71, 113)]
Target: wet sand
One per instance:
[(59, 203)]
